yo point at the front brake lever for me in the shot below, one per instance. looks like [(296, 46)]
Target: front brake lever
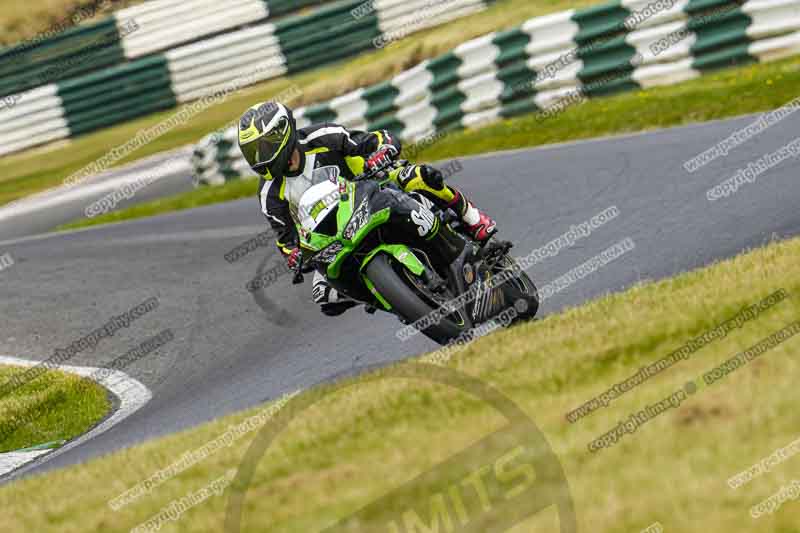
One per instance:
[(298, 273)]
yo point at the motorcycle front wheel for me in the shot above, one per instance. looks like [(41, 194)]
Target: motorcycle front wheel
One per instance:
[(408, 301)]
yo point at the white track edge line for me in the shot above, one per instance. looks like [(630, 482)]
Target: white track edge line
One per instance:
[(132, 394)]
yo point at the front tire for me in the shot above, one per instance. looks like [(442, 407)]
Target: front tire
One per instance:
[(405, 301)]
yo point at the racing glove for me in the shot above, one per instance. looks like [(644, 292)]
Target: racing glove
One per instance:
[(385, 154), (292, 256)]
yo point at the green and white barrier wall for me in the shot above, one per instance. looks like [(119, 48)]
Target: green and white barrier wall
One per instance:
[(551, 60), (157, 25), (216, 159), (159, 54)]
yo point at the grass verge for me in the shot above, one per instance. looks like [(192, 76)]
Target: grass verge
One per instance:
[(38, 169), (195, 198), (355, 445), (25, 19), (55, 406), (728, 93)]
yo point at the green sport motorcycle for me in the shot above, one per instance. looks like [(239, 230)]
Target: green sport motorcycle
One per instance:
[(398, 253)]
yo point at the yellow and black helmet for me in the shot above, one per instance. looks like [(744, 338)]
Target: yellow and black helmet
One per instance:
[(267, 137)]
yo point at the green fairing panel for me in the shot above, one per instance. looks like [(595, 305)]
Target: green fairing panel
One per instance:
[(313, 241), (386, 305), (402, 253), (375, 220)]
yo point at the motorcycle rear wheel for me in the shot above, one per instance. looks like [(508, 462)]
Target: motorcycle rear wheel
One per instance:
[(521, 287)]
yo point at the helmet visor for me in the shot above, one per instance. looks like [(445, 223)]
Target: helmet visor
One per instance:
[(265, 149)]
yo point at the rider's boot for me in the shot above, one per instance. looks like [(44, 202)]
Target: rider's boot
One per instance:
[(331, 303), (478, 224)]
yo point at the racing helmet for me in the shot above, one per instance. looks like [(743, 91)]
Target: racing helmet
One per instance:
[(267, 137)]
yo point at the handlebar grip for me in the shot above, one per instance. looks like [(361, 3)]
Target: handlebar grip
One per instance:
[(378, 170)]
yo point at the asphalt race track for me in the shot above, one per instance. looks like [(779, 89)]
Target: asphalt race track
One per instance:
[(234, 349), (49, 209)]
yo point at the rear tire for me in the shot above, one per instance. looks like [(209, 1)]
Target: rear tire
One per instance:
[(521, 287), (405, 301)]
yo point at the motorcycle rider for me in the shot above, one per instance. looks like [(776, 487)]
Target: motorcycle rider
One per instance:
[(285, 157)]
